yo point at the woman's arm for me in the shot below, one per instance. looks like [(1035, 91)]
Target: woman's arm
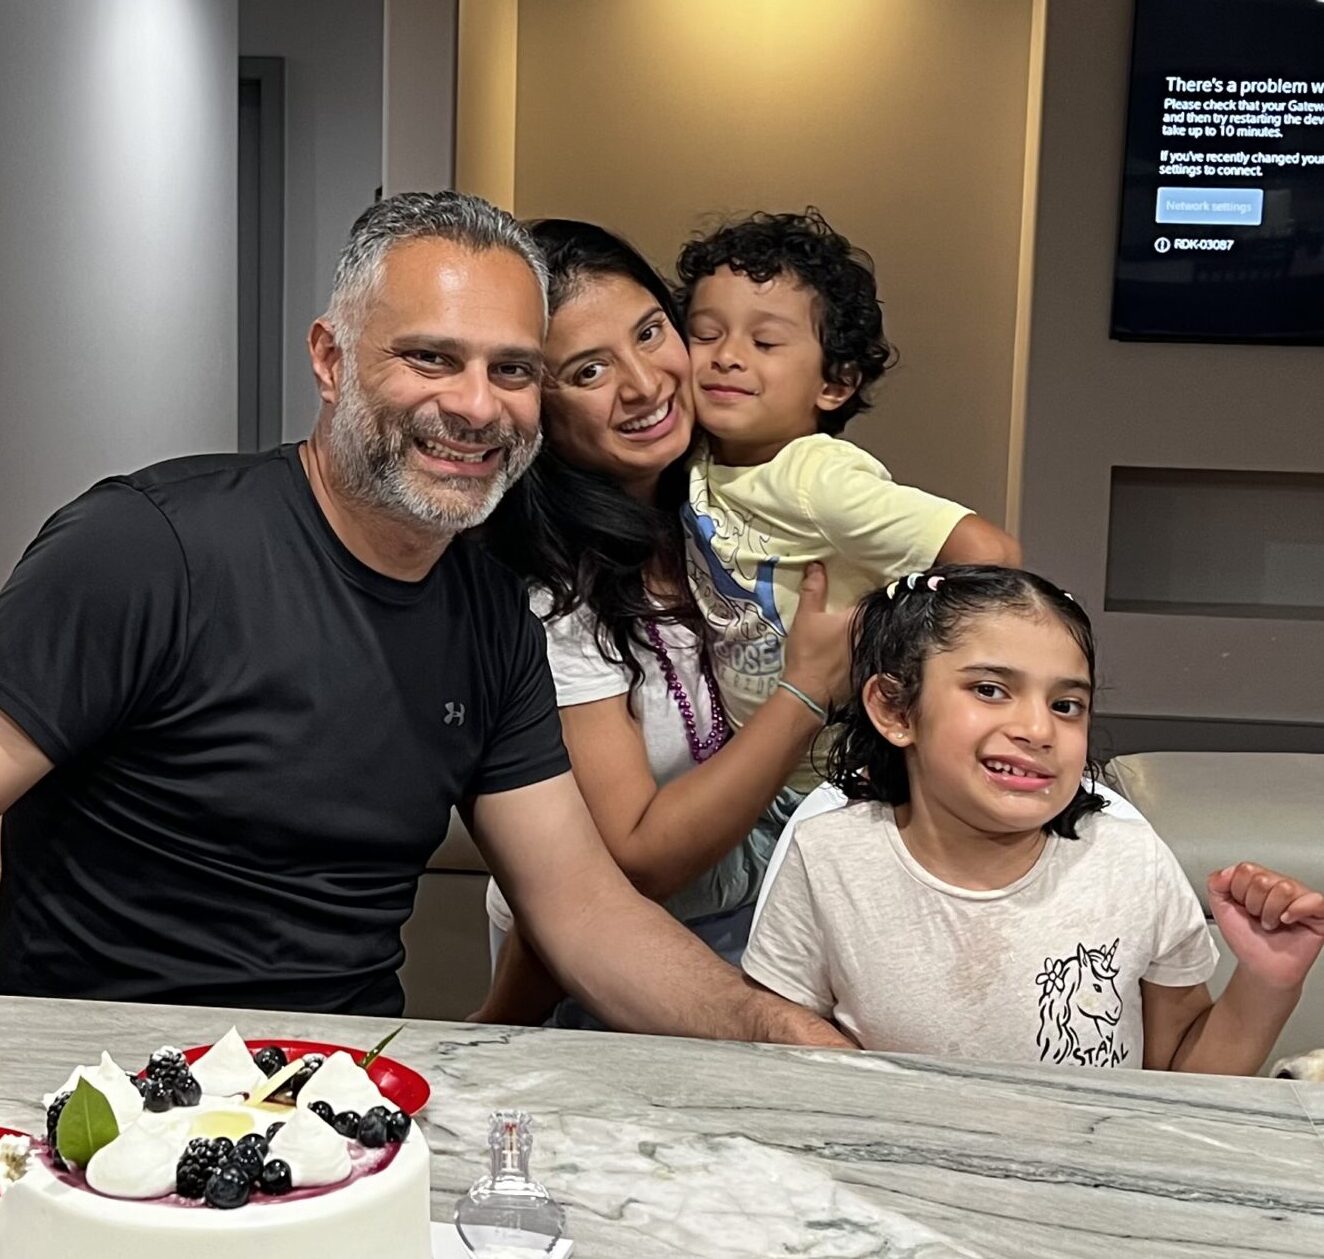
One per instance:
[(665, 837), (1275, 927)]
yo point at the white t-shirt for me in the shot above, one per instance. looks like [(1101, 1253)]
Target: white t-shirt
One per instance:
[(582, 675), (1047, 969)]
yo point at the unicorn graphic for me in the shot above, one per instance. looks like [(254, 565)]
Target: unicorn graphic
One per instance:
[(1079, 1008)]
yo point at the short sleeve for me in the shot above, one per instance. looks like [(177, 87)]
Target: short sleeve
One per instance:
[(1184, 952), (787, 950), (580, 672), (93, 620), (868, 518), (525, 744)]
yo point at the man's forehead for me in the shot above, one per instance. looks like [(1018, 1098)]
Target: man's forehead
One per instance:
[(433, 281)]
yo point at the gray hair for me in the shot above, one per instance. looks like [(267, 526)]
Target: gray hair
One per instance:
[(455, 216)]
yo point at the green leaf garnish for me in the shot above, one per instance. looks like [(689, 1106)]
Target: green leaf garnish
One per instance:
[(375, 1052), (86, 1124)]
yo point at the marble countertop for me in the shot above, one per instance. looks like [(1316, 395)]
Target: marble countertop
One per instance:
[(673, 1148)]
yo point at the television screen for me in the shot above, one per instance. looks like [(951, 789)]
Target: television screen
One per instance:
[(1222, 224)]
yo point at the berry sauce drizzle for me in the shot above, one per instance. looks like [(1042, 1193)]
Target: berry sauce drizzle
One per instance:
[(363, 1162)]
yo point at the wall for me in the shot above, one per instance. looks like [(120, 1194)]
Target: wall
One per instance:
[(418, 106), (117, 244), (1092, 403), (903, 120), (333, 153), (486, 90)]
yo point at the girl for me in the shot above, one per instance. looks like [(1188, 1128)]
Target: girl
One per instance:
[(975, 900)]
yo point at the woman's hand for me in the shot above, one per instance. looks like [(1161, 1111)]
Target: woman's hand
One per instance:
[(818, 645), (1274, 924)]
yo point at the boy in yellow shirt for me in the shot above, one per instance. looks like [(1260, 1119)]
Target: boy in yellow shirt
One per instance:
[(786, 338)]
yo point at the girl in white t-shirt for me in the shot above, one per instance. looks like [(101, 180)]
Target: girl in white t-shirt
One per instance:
[(974, 899)]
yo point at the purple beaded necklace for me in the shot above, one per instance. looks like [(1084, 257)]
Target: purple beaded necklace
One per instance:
[(700, 750)]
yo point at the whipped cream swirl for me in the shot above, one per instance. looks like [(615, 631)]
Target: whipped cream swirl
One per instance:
[(344, 1084), (316, 1153), (113, 1083), (139, 1163), (227, 1068)]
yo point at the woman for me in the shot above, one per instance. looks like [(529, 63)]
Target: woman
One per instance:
[(595, 529)]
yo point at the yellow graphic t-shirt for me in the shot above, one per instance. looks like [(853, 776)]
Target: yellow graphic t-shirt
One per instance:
[(750, 532)]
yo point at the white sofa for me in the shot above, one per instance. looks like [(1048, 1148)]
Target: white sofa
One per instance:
[(1217, 808)]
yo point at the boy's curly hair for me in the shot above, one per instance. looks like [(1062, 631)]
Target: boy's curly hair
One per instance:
[(850, 318)]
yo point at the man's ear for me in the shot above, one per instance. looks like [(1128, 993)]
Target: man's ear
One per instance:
[(834, 393), (881, 698), (328, 360)]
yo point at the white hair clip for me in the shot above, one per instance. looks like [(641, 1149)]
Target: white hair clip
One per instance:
[(890, 592), (912, 580), (935, 581)]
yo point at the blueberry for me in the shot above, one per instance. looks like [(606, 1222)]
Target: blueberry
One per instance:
[(275, 1128), (374, 1128), (397, 1126), (156, 1097), (275, 1178), (139, 1082), (255, 1140), (323, 1111), (271, 1058), (227, 1188), (347, 1123), (185, 1090), (247, 1157)]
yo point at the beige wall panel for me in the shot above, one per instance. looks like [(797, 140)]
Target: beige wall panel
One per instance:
[(903, 120), (1093, 403)]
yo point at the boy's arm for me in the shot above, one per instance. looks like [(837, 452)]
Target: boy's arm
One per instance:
[(979, 541), (1275, 927), (523, 992)]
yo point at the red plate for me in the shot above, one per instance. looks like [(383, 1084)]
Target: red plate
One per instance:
[(400, 1086), (13, 1132)]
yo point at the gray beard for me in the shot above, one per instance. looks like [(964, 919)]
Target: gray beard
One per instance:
[(370, 446)]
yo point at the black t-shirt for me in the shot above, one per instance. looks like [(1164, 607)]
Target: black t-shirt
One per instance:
[(257, 740)]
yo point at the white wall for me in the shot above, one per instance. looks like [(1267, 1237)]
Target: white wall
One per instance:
[(333, 152), (117, 244), (418, 106)]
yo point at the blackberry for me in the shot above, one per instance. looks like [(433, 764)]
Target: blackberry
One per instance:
[(275, 1128), (192, 1174), (227, 1188), (185, 1091), (347, 1123), (270, 1059), (139, 1082), (199, 1162), (52, 1122), (275, 1178), (374, 1128), (311, 1063), (156, 1097), (165, 1064), (397, 1126), (323, 1111)]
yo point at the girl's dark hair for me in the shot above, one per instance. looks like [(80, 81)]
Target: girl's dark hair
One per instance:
[(575, 531), (804, 246), (894, 634)]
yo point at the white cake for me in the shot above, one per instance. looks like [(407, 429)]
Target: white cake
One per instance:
[(380, 1208)]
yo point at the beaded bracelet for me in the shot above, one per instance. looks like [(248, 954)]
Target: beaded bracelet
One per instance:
[(817, 709)]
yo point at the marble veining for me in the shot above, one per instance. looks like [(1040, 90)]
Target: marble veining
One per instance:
[(669, 1148)]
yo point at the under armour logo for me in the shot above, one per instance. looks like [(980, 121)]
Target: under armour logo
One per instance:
[(454, 714)]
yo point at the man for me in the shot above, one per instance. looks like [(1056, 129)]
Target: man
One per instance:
[(239, 695)]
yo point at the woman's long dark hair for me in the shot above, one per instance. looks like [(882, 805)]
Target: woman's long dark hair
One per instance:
[(575, 531), (895, 633)]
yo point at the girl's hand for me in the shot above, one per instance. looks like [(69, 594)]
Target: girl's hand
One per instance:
[(1274, 925), (818, 644)]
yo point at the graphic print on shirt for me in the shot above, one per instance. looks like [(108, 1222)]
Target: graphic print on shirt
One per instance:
[(1080, 1008), (747, 631)]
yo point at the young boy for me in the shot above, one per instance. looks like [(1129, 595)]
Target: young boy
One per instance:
[(786, 339)]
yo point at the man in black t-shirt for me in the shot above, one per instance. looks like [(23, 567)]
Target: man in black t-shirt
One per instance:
[(239, 695)]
